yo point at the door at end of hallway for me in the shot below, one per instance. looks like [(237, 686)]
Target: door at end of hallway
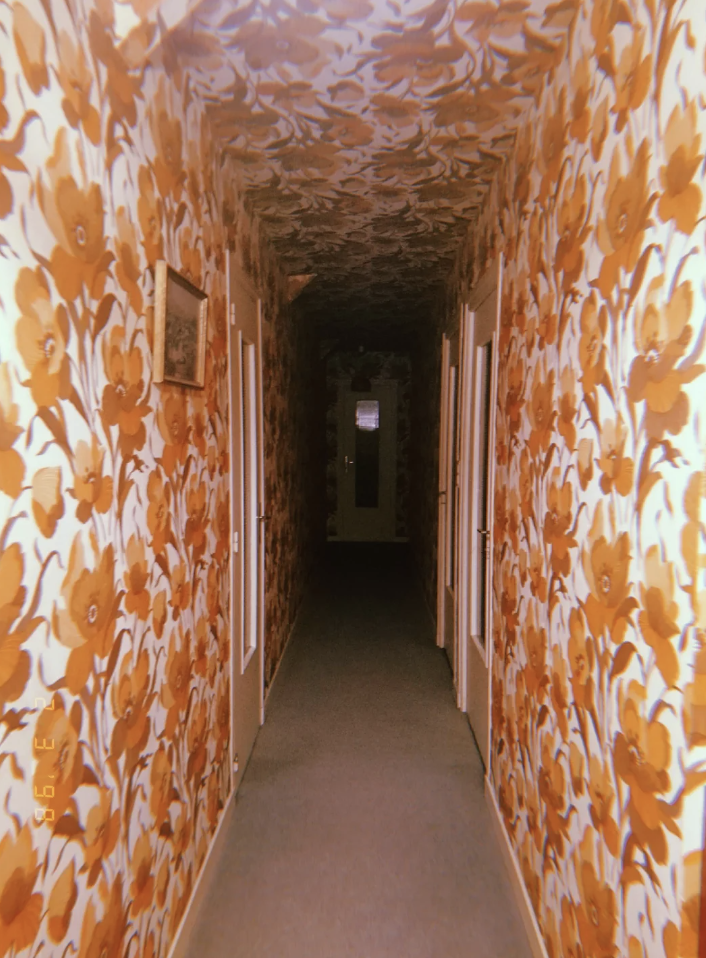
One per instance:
[(367, 468)]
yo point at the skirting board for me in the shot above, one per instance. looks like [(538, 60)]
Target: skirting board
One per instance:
[(534, 935), (180, 946)]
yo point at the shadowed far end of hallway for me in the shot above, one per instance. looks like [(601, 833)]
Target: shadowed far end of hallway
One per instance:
[(360, 828)]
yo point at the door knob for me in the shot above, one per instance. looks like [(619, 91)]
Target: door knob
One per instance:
[(262, 518)]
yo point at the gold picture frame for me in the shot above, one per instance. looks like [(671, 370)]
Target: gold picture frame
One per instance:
[(180, 313)]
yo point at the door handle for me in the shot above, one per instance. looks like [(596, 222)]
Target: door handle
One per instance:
[(262, 518), (347, 462), (485, 536)]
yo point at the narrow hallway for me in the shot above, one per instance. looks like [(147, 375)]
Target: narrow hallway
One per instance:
[(288, 287), (360, 829)]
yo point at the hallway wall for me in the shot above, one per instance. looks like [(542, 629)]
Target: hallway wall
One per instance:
[(424, 448), (598, 750), (114, 491), (295, 528)]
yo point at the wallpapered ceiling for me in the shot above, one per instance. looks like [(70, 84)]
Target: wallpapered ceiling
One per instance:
[(599, 737), (367, 133), (114, 492)]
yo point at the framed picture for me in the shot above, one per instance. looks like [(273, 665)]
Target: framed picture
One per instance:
[(180, 311)]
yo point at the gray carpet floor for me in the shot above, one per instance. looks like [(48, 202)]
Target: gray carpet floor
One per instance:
[(361, 829)]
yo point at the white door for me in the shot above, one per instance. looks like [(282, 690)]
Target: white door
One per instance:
[(482, 326), (367, 439), (247, 518), (448, 502)]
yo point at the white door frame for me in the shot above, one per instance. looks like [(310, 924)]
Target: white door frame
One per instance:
[(479, 659), (463, 493), (441, 563), (243, 328), (454, 385)]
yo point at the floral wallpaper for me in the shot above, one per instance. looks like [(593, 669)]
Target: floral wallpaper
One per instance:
[(294, 452), (114, 491), (368, 132), (373, 364), (572, 134), (598, 736)]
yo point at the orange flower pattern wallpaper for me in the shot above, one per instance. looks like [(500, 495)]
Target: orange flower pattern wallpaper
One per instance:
[(114, 492), (598, 665), (573, 135)]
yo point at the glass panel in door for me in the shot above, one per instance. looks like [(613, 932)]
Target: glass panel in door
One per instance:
[(367, 453)]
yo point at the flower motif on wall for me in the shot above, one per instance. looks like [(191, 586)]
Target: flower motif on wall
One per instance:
[(681, 197), (85, 621), (642, 753), (620, 233), (62, 765), (62, 900), (662, 335), (21, 910), (658, 616), (75, 215), (606, 566), (41, 333), (47, 500), (101, 834), (92, 489), (12, 466)]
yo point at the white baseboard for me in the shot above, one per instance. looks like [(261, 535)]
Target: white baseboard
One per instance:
[(529, 919), (180, 945)]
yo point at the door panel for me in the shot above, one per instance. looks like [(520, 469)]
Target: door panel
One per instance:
[(451, 517), (449, 503), (247, 520), (482, 333), (367, 431)]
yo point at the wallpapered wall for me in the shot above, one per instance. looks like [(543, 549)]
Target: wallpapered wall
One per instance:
[(294, 493), (375, 364), (598, 753), (425, 422), (114, 502)]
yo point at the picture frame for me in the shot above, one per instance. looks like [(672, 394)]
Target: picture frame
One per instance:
[(180, 314)]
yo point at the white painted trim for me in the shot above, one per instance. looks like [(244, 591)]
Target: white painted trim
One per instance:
[(442, 496), (262, 506), (236, 512), (246, 674), (486, 285), (463, 482), (529, 919), (180, 945)]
